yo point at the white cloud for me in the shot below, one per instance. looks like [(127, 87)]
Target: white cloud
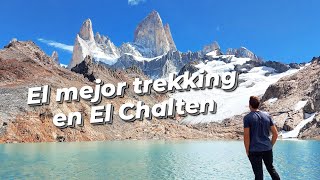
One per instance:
[(57, 44), (135, 2)]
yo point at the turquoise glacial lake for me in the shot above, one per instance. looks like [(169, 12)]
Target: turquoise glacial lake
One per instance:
[(183, 159)]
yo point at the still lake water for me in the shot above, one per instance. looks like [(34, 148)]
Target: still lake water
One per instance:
[(184, 159)]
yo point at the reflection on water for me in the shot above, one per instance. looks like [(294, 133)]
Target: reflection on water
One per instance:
[(152, 160)]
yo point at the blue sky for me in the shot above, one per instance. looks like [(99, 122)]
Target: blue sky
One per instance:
[(281, 30)]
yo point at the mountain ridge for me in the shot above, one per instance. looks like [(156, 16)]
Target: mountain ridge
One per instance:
[(151, 44)]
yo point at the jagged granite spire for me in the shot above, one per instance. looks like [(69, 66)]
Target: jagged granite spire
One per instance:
[(106, 45), (55, 57), (86, 32), (80, 51), (150, 36), (99, 47), (172, 45)]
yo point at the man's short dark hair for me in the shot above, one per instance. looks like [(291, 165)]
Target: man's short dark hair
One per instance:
[(254, 102)]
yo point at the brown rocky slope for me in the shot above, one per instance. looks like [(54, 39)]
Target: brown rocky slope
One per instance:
[(302, 86), (280, 100), (24, 65)]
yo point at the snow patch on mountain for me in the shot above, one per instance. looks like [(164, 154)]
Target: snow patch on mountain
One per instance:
[(255, 82), (263, 70), (128, 48), (99, 55), (300, 105), (272, 100), (63, 65), (142, 59), (220, 66), (99, 47), (213, 53), (295, 132)]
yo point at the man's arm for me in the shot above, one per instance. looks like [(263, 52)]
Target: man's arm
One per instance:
[(246, 139), (274, 132)]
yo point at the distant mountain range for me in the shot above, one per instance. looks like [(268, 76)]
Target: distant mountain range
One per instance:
[(153, 50)]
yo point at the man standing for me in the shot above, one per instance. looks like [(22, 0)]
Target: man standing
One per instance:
[(257, 126)]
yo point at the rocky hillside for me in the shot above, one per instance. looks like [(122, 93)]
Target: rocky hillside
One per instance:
[(24, 65), (293, 102)]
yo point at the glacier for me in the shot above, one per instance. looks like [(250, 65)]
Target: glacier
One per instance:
[(229, 104)]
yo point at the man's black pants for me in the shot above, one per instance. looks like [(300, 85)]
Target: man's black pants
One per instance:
[(256, 162)]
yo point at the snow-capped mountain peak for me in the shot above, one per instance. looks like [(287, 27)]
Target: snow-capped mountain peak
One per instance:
[(100, 47), (212, 49), (242, 52), (151, 39), (128, 48)]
